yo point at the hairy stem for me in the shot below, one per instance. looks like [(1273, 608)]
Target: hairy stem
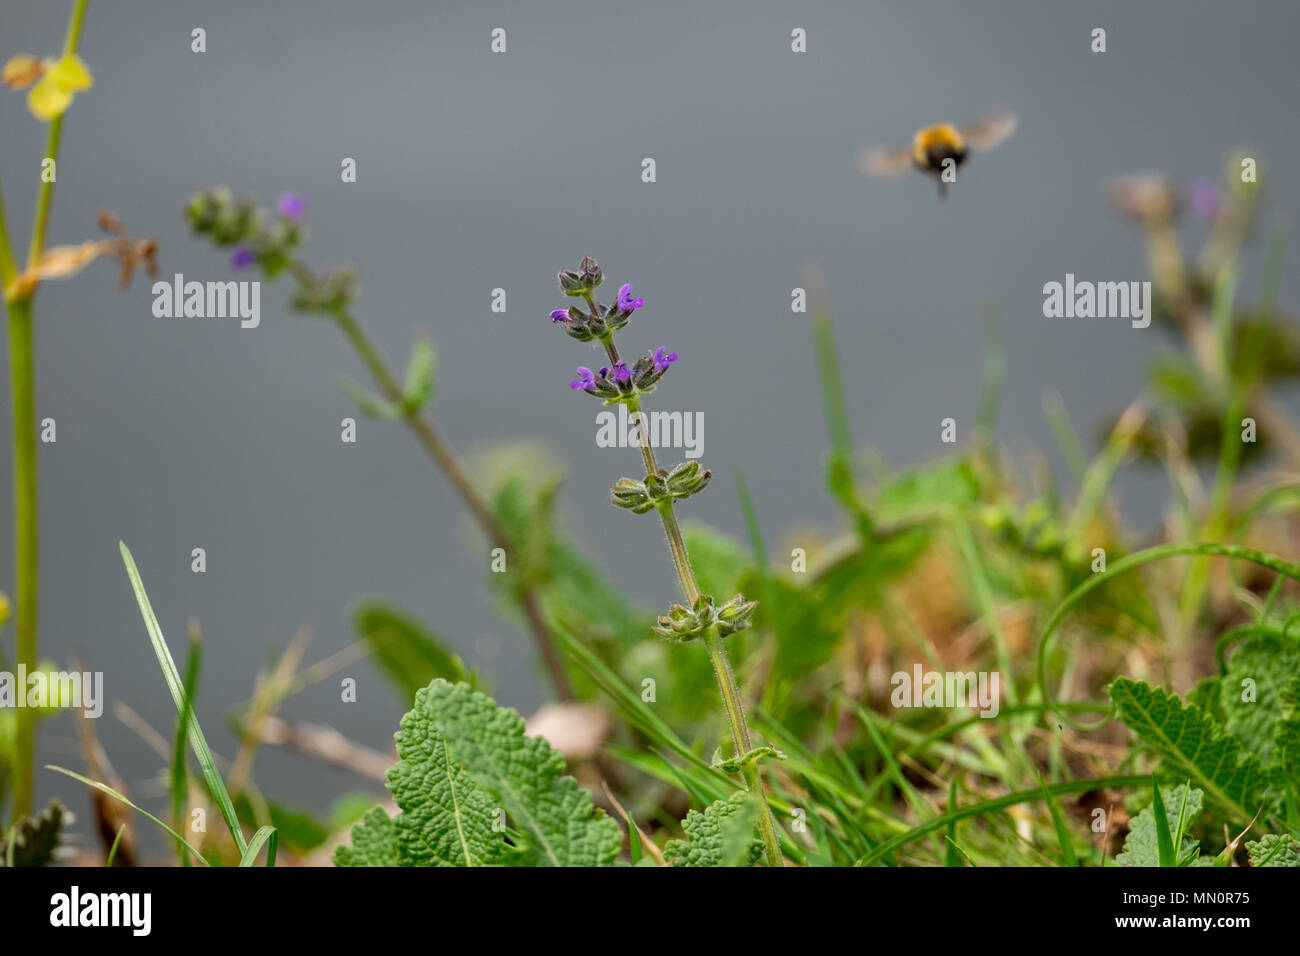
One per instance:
[(440, 451), (732, 702)]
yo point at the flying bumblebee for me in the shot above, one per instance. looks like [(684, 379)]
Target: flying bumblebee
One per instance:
[(938, 150)]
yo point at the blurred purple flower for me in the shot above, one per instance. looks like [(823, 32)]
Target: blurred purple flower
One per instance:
[(292, 206), (242, 258), (559, 315), (622, 374), (625, 301), (661, 360), (1203, 199), (586, 379)]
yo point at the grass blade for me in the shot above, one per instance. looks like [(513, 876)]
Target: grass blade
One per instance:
[(216, 785), (120, 798), (1164, 843), (179, 774), (1068, 856), (112, 850), (994, 805), (264, 835)]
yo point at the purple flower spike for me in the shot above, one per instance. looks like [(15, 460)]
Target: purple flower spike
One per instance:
[(625, 301), (1203, 199), (622, 373), (586, 379), (292, 206), (241, 258), (559, 315), (662, 360)]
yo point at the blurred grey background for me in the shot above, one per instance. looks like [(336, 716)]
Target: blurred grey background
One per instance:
[(478, 171)]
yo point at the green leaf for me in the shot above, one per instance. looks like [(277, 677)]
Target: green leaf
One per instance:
[(1253, 709), (374, 842), (464, 767), (805, 638), (1207, 695), (737, 764), (408, 654), (121, 798), (1192, 746), (1274, 850), (927, 492), (179, 769), (263, 835), (1164, 839), (556, 817), (719, 561), (1068, 856), (1150, 841), (35, 838), (447, 816), (420, 377), (1286, 736), (575, 591), (992, 806), (295, 830), (216, 786), (723, 835), (369, 404)]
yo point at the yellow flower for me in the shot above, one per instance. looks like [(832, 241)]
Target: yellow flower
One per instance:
[(63, 78)]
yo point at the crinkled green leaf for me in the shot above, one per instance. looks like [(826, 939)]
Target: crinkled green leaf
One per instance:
[(1141, 848), (1192, 747), (723, 835), (555, 817), (374, 842), (1207, 696), (447, 816), (1253, 709), (35, 837), (1286, 736), (1275, 849)]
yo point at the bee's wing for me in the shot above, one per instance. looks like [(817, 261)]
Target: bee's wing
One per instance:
[(885, 162), (991, 131)]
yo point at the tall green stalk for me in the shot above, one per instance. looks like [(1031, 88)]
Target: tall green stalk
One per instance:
[(22, 378), (728, 689)]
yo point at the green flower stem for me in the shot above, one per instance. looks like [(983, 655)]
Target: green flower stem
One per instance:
[(46, 194), (441, 452), (22, 377), (22, 380), (732, 702)]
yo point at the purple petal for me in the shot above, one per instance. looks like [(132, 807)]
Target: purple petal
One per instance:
[(292, 206), (625, 301), (241, 258), (559, 315), (661, 360)]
